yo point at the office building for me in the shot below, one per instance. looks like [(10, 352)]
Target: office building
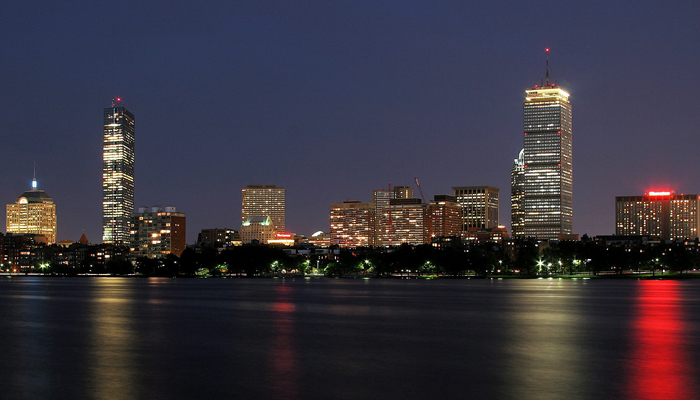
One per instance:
[(33, 213), (517, 214), (264, 200), (547, 156), (406, 222), (352, 224), (218, 237), (117, 174), (157, 232), (381, 199), (662, 214), (443, 218), (479, 206), (257, 229)]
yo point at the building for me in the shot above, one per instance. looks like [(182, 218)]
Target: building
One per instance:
[(517, 214), (381, 199), (662, 214), (548, 173), (117, 174), (479, 206), (34, 213), (257, 229), (157, 232), (496, 234), (406, 222), (218, 237), (264, 200), (443, 218), (352, 224)]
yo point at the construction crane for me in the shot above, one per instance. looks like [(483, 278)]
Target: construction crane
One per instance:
[(420, 190)]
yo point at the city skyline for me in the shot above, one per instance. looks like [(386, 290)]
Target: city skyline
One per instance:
[(335, 103)]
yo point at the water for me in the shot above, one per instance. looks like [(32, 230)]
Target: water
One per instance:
[(125, 338)]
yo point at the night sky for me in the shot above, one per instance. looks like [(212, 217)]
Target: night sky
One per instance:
[(332, 99)]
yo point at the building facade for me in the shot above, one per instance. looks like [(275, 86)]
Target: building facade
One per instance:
[(382, 199), (479, 206), (257, 229), (443, 218), (218, 237), (663, 214), (34, 213), (264, 200), (406, 222), (547, 162), (117, 174), (352, 224), (157, 232)]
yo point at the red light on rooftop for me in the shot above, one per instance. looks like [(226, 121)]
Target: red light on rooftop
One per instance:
[(546, 49), (660, 193)]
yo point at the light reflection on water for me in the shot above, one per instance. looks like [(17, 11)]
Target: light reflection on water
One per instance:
[(660, 365), (114, 338)]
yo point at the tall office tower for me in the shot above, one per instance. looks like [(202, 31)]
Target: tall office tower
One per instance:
[(157, 232), (548, 181), (517, 215), (264, 200), (443, 218), (479, 206), (33, 213), (664, 214), (117, 173), (352, 224)]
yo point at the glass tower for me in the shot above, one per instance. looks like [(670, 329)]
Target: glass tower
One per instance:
[(517, 216), (117, 174), (548, 172)]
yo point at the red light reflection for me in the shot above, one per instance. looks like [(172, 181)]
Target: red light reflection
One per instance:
[(658, 366), (284, 368)]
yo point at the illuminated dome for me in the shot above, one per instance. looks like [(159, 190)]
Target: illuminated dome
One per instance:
[(319, 233), (35, 196)]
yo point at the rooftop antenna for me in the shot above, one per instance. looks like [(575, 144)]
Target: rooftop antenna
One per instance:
[(34, 184), (546, 50)]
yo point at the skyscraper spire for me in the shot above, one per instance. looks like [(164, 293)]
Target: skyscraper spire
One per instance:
[(34, 184), (546, 50)]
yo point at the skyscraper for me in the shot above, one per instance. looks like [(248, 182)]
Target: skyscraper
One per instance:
[(117, 173), (548, 176), (33, 213), (517, 216), (264, 200)]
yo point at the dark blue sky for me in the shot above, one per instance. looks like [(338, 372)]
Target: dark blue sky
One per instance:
[(334, 99)]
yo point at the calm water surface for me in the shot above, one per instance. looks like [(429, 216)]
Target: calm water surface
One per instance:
[(125, 338)]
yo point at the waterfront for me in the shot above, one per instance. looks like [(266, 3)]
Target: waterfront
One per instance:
[(111, 338)]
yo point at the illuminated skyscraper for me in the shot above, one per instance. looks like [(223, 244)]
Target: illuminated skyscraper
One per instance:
[(33, 213), (264, 200), (548, 176), (117, 174), (517, 216)]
